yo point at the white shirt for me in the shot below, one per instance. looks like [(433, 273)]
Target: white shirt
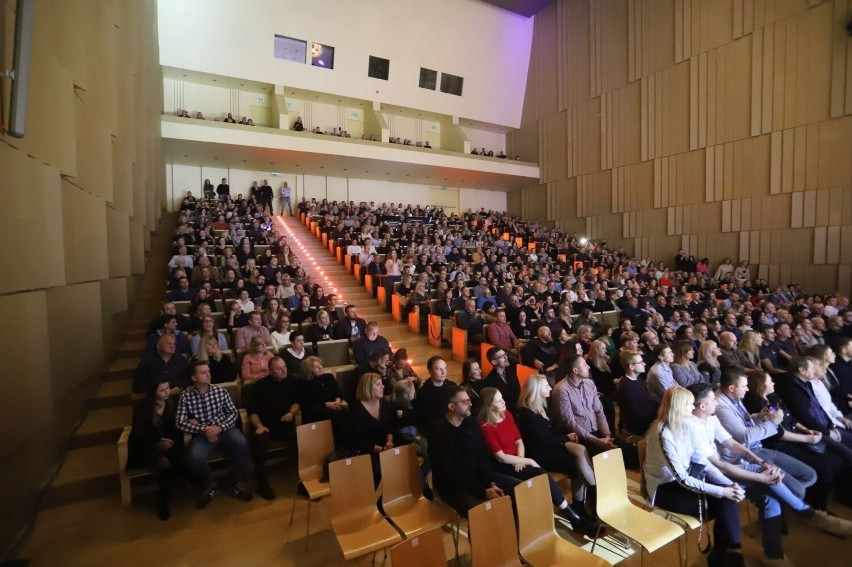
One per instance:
[(670, 461), (824, 399)]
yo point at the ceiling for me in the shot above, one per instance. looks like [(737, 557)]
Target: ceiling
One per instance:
[(208, 154), (525, 8)]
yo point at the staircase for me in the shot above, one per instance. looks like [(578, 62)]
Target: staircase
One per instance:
[(90, 469)]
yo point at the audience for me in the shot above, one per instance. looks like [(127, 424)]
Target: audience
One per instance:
[(527, 292)]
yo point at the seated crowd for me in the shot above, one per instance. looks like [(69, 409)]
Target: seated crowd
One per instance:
[(688, 341), (229, 118)]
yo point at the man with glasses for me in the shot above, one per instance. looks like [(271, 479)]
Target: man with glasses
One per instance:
[(461, 467), (638, 410), (504, 377)]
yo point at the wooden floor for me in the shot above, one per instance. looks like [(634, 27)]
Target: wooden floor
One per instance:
[(83, 522)]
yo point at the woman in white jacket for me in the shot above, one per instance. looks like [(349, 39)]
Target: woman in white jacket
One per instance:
[(676, 484)]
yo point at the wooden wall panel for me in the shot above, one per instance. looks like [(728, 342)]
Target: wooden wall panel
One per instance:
[(553, 147), (575, 64), (722, 126)]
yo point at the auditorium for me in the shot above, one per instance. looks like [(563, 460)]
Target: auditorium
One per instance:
[(459, 282)]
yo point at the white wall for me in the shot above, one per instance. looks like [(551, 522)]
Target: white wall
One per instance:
[(183, 178), (487, 46)]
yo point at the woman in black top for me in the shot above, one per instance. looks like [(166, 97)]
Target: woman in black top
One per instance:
[(372, 419), (473, 382), (522, 328), (322, 400), (799, 445), (318, 297), (602, 376), (244, 251), (304, 313), (446, 310), (155, 440), (221, 366), (324, 330), (553, 449)]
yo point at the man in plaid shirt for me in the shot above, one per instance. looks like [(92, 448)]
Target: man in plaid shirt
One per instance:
[(207, 412)]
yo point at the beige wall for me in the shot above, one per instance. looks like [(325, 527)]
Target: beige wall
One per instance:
[(719, 126), (81, 193)]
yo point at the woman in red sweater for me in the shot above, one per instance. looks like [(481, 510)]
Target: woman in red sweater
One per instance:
[(504, 441)]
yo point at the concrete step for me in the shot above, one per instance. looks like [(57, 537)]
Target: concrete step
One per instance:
[(102, 425), (86, 472), (113, 393), (121, 369)]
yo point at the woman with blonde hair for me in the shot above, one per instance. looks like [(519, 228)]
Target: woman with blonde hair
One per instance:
[(221, 366), (255, 363), (750, 345), (708, 362), (554, 449), (601, 374), (504, 441), (675, 484), (372, 420)]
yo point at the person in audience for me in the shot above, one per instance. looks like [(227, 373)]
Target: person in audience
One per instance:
[(169, 308), (169, 327), (541, 352), (750, 430), (229, 119), (183, 114), (500, 334), (351, 326), (370, 342), (221, 366), (156, 442), (183, 292), (323, 400), (164, 364), (272, 313), (579, 409), (471, 320), (672, 446), (272, 404), (322, 331), (255, 364), (461, 469), (554, 449), (797, 391), (472, 381), (223, 190), (280, 337), (684, 371), (255, 328), (503, 377), (523, 329), (603, 378), (298, 126), (708, 362), (749, 346), (637, 408), (304, 313), (400, 370), (840, 379), (295, 354), (207, 412), (731, 357), (660, 376), (504, 442), (372, 419), (823, 357), (429, 404)]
